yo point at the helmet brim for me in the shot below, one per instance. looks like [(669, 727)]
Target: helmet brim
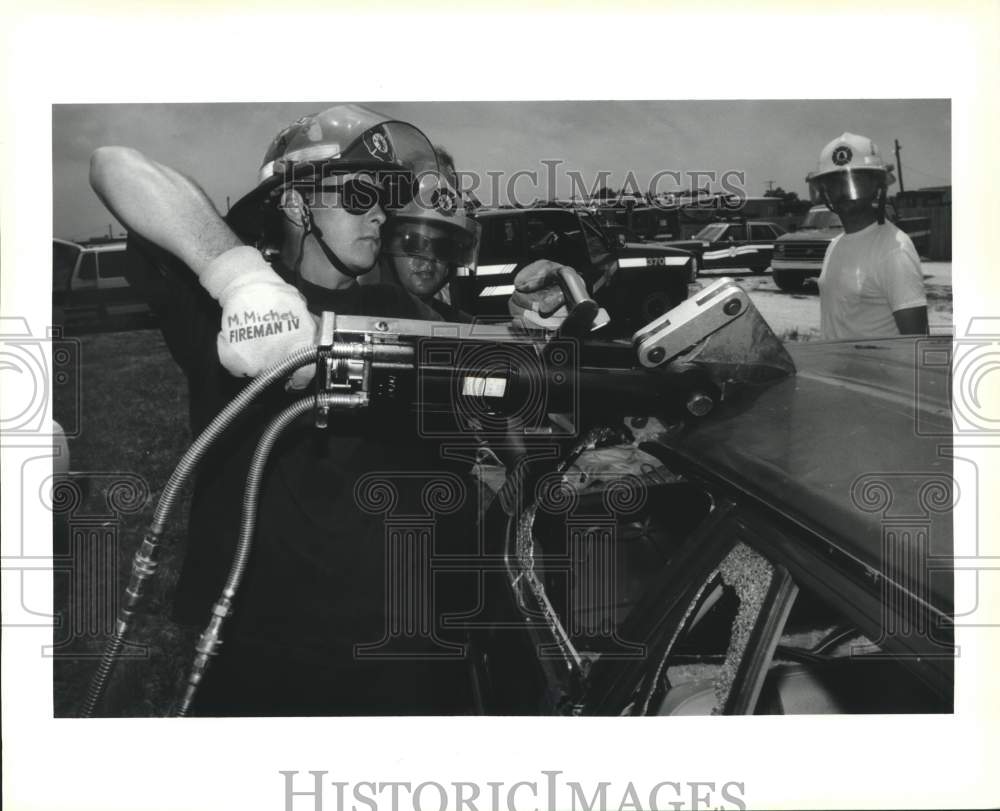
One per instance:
[(844, 185)]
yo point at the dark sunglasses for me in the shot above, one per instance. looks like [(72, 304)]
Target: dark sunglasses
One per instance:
[(360, 195), (443, 249)]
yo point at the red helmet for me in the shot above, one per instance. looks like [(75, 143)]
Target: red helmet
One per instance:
[(346, 138)]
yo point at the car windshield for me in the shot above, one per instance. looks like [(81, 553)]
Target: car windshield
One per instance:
[(710, 233), (63, 261), (821, 218)]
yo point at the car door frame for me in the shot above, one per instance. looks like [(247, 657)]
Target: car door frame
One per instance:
[(663, 611), (801, 559)]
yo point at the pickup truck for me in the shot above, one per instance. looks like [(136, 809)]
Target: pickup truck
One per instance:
[(634, 282), (89, 284), (798, 256)]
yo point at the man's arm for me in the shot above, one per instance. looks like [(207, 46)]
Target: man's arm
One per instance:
[(903, 279), (911, 321), (160, 204), (171, 211)]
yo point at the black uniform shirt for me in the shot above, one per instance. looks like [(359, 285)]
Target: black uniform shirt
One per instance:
[(316, 580)]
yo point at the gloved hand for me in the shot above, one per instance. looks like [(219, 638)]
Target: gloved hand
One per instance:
[(537, 296), (540, 298), (264, 319)]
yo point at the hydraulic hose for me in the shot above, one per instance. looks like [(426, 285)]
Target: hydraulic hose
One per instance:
[(146, 559), (211, 638)]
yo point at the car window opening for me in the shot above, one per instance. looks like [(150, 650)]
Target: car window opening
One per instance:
[(593, 545), (702, 661), (822, 664)]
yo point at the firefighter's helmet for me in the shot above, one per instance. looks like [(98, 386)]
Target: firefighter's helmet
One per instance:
[(434, 226), (343, 139), (850, 168)]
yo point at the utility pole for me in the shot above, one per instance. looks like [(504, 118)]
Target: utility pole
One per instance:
[(899, 166), (227, 203), (770, 184)]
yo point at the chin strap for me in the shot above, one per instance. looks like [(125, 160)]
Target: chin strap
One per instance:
[(882, 193), (309, 227)]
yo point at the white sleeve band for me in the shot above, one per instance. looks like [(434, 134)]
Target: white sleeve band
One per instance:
[(236, 263)]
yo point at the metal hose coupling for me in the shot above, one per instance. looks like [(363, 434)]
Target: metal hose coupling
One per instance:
[(207, 647), (211, 638), (144, 565)]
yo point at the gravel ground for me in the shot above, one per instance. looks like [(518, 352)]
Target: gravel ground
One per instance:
[(795, 316)]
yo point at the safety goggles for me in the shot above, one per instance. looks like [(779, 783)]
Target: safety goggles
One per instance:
[(390, 191), (457, 246)]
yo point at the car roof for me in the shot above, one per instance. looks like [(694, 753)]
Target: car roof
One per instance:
[(856, 441), (104, 245), (740, 222), (505, 212)]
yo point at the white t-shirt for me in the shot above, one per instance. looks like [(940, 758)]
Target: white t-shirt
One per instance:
[(866, 277)]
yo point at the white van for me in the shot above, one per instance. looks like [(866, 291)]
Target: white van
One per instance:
[(89, 282)]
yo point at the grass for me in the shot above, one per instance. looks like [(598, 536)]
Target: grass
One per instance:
[(132, 429)]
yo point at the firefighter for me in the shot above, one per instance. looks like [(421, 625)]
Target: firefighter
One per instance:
[(315, 591), (426, 243), (871, 284)]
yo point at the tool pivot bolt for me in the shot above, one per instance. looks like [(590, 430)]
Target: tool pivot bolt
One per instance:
[(699, 404)]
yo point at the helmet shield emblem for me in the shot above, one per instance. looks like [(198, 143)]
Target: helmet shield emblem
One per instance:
[(378, 145), (444, 200), (842, 155)]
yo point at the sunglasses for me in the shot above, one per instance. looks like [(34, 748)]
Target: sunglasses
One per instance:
[(443, 249), (360, 195)]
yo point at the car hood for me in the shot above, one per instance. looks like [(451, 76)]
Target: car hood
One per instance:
[(643, 249), (810, 235), (686, 244), (853, 446)]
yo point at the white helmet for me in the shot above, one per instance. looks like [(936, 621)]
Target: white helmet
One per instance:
[(434, 226), (850, 168)]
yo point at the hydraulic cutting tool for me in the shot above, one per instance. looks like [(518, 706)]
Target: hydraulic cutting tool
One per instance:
[(488, 380)]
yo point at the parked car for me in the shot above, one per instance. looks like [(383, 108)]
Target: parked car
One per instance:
[(763, 560), (89, 284), (732, 246), (798, 256), (636, 283)]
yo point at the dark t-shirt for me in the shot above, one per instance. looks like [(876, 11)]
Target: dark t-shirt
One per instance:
[(449, 312), (316, 581)]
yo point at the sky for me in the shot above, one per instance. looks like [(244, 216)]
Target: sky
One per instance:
[(770, 142)]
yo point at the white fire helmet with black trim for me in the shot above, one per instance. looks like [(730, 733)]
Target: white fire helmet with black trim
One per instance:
[(850, 167), (435, 227), (347, 138)]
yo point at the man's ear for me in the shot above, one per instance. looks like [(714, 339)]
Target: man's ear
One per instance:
[(294, 207)]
